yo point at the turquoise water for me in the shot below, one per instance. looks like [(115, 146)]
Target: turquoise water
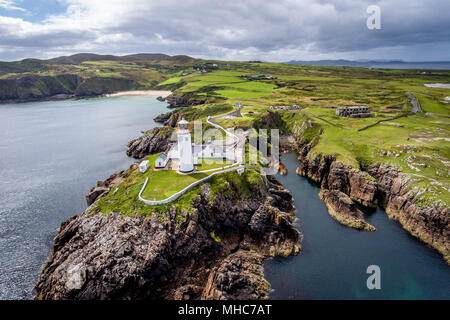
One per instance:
[(334, 258), (51, 154)]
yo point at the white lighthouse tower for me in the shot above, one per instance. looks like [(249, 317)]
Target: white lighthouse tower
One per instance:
[(185, 147)]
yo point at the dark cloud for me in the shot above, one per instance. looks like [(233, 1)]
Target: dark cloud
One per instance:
[(246, 29)]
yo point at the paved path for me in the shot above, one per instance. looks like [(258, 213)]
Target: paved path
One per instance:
[(237, 145), (415, 103)]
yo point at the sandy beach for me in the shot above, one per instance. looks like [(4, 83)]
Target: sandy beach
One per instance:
[(153, 93)]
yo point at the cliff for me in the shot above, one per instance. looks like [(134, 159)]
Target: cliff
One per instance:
[(376, 185), (214, 251)]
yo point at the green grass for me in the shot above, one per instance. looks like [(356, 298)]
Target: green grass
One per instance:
[(242, 94), (433, 105), (164, 183), (171, 81), (208, 164)]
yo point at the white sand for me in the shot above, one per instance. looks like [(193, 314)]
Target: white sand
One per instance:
[(152, 93)]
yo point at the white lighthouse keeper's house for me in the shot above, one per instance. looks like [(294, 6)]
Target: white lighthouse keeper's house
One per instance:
[(185, 147)]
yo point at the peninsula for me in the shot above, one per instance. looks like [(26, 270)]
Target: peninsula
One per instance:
[(368, 137)]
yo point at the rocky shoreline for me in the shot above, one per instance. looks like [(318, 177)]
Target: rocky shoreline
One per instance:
[(97, 256), (342, 187), (214, 252)]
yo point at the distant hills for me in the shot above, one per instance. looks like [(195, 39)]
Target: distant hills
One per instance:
[(85, 75), (33, 65), (382, 64)]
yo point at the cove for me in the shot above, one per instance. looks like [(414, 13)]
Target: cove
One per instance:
[(334, 258)]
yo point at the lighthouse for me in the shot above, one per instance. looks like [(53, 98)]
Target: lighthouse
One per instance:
[(185, 147)]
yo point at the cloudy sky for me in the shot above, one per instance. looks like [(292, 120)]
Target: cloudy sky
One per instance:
[(281, 30)]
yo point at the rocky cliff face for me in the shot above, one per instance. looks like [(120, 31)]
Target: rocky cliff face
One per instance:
[(169, 119), (152, 141), (214, 252), (377, 185), (430, 223)]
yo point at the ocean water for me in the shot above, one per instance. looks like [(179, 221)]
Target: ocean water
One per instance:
[(51, 154), (334, 258)]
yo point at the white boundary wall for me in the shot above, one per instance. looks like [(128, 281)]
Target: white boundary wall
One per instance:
[(180, 193)]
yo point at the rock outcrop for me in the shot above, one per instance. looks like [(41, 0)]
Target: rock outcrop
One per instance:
[(178, 102), (152, 141), (169, 119), (344, 210), (103, 187), (240, 276), (215, 251)]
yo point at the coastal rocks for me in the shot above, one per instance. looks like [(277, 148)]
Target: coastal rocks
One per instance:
[(355, 183), (282, 169), (278, 166), (239, 276), (152, 141), (103, 187), (169, 119), (344, 210), (95, 194), (214, 251), (270, 120), (316, 168), (363, 188), (430, 223), (178, 102)]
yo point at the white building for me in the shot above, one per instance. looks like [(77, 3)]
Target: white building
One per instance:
[(143, 166), (161, 161), (185, 147)]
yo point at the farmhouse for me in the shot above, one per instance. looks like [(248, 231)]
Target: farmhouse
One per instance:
[(354, 112)]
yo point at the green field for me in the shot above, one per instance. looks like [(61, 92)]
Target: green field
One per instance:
[(164, 183)]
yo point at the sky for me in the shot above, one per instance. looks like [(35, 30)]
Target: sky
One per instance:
[(281, 30)]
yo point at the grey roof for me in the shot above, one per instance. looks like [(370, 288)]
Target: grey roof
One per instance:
[(162, 156)]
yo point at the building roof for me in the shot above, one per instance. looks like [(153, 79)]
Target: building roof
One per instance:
[(162, 156)]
